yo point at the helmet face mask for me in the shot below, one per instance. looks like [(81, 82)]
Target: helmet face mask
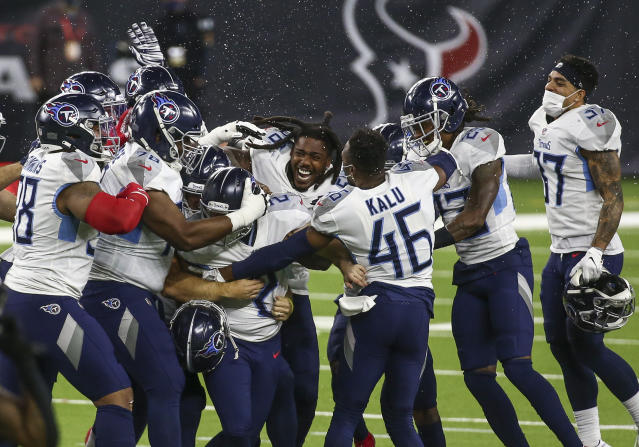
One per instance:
[(602, 306), (3, 139), (418, 131)]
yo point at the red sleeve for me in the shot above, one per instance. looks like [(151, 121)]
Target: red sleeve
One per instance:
[(112, 215)]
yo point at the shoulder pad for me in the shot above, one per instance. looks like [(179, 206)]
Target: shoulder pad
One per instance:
[(79, 163), (330, 201), (410, 166), (281, 201), (600, 122), (483, 139), (144, 166)]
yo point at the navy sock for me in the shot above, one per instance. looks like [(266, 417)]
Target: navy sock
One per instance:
[(361, 431), (543, 397), (497, 408), (113, 427), (139, 411), (192, 403), (580, 381), (613, 371), (432, 435)]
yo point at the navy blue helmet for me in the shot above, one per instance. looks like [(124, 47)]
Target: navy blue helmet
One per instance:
[(211, 159), (173, 118), (201, 334), (101, 87), (431, 106), (601, 306), (75, 121), (148, 78), (394, 136), (223, 193)]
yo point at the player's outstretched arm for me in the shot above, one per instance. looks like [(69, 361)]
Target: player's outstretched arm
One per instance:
[(106, 213), (9, 174), (183, 286), (521, 166), (239, 158), (165, 219), (483, 190), (605, 170)]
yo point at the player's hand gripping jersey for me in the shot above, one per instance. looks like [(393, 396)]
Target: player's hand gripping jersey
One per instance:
[(388, 228), (251, 320), (572, 202), (50, 248), (141, 257), (473, 147)]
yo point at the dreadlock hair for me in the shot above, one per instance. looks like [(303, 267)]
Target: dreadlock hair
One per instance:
[(368, 151), (296, 128), (474, 109)]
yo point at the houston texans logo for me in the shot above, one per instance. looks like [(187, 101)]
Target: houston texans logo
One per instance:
[(63, 113), (213, 346), (53, 309), (71, 86), (168, 110), (133, 84), (457, 58), (112, 303)]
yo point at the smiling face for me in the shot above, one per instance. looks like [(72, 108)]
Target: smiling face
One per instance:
[(309, 161)]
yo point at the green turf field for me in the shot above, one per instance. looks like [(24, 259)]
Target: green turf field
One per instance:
[(462, 418)]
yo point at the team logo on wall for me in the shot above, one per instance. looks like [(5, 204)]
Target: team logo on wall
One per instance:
[(168, 110), (213, 346), (457, 58), (62, 113), (133, 84), (72, 86)]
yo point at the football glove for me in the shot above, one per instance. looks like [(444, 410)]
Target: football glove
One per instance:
[(144, 45), (230, 131), (588, 269), (253, 206)]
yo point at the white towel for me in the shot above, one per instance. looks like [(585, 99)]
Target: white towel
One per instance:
[(353, 305)]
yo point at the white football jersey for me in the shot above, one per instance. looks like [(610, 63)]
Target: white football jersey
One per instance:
[(572, 202), (50, 248), (473, 147), (251, 320), (388, 228), (269, 167), (141, 257)]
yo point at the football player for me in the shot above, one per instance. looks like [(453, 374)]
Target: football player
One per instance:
[(8, 174), (60, 207), (492, 315), (244, 387), (300, 158), (381, 214), (128, 271), (576, 148)]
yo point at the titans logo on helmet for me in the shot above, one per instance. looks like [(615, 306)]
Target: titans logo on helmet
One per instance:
[(440, 88), (112, 303), (72, 86), (63, 113), (133, 84), (53, 309), (213, 346), (168, 110)]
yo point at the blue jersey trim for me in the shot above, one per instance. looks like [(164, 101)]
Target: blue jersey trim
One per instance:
[(501, 200), (590, 185), (68, 223)]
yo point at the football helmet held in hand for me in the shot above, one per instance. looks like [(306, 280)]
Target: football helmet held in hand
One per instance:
[(602, 305)]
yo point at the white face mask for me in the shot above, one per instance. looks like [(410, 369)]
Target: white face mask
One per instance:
[(553, 103)]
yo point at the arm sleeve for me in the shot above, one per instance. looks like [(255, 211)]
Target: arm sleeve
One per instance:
[(273, 257), (521, 166), (112, 215)]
